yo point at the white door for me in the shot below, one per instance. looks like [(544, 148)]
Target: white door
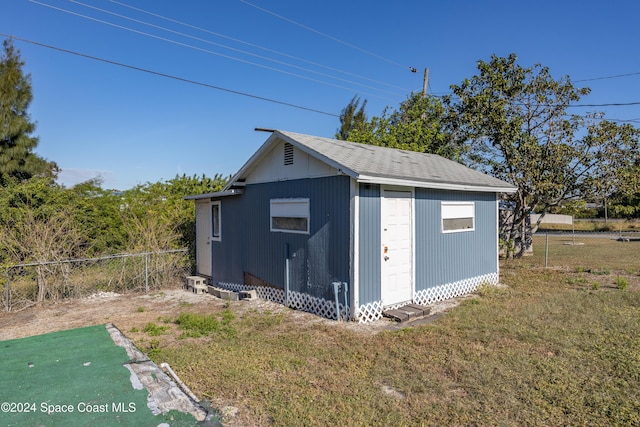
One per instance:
[(397, 247), (203, 237)]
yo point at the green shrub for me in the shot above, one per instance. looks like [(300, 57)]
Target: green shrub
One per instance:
[(155, 330), (153, 349), (622, 283), (196, 325)]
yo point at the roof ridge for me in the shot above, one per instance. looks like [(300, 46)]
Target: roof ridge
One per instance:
[(379, 164)]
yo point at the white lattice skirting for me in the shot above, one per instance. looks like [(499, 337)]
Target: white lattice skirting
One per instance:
[(373, 311), (369, 312), (297, 300), (455, 289)]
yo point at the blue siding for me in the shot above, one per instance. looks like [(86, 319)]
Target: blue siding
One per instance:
[(369, 244), (316, 259), (321, 257), (449, 257), (227, 255)]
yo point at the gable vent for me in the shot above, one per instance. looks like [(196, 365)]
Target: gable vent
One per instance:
[(288, 154)]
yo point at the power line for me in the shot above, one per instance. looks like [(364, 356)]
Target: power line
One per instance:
[(236, 92), (170, 76), (621, 120), (198, 48), (291, 21), (228, 47), (602, 118), (607, 77), (256, 45), (612, 104)]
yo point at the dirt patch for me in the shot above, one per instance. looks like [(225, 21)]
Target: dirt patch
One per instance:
[(131, 312), (124, 311)]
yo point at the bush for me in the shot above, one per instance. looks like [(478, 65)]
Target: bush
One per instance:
[(196, 325), (155, 330), (622, 283)]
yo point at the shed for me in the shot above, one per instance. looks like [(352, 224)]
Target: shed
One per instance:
[(343, 229)]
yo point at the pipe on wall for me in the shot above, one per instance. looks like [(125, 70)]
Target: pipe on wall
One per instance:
[(346, 305), (286, 275), (336, 294)]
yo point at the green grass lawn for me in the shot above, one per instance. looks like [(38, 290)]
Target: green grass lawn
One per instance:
[(549, 349)]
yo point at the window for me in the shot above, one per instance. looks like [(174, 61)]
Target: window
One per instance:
[(290, 215), (457, 216), (215, 221)]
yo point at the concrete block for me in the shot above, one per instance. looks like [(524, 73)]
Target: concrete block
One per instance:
[(228, 295), (223, 293), (196, 284), (196, 280), (200, 289), (250, 294)]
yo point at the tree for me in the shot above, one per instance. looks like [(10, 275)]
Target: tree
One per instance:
[(39, 223), (625, 201), (418, 125), (627, 206), (100, 219), (17, 159), (514, 121), (618, 179), (351, 118), (156, 216)]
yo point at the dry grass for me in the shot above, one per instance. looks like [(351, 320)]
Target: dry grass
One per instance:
[(548, 349), (81, 279), (602, 254)]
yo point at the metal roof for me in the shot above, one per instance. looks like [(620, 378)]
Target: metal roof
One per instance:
[(382, 165)]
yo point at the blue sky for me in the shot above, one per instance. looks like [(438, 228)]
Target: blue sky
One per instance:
[(130, 127)]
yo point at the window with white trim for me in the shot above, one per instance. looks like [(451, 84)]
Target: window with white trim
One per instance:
[(215, 221), (290, 215), (458, 216)]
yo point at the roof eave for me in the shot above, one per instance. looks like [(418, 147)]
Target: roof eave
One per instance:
[(365, 179), (223, 193), (252, 160), (319, 156), (265, 147)]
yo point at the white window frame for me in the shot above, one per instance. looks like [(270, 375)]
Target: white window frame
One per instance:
[(289, 208), (457, 210), (214, 237)]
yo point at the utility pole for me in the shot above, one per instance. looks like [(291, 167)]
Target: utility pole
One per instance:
[(425, 83)]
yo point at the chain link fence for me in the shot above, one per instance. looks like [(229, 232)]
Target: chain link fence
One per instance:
[(32, 283), (613, 252)]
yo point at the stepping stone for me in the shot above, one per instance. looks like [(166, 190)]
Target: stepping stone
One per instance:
[(407, 312)]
